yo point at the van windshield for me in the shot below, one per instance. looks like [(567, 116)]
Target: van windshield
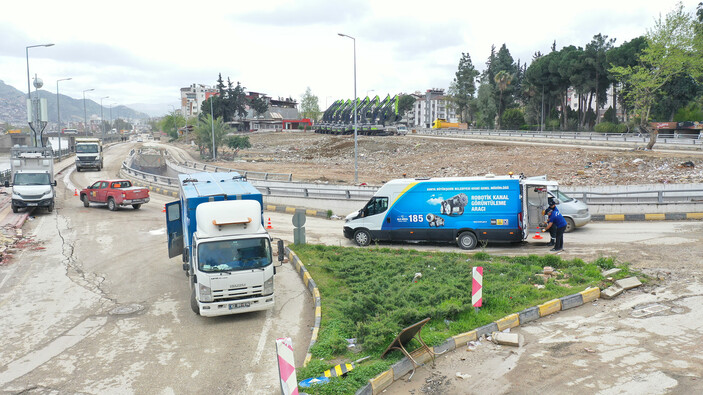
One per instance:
[(233, 255), (31, 179), (562, 196), (86, 148)]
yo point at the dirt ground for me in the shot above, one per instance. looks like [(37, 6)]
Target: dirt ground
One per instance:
[(330, 159)]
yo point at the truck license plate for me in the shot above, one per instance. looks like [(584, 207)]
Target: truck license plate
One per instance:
[(238, 305)]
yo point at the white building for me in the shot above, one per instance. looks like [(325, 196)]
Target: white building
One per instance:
[(573, 102), (429, 106), (193, 97)]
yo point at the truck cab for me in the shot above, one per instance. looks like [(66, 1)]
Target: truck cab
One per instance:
[(89, 153), (32, 175)]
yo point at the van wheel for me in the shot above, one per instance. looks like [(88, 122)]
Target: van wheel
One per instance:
[(194, 303), (111, 204), (50, 207), (570, 225), (14, 209), (467, 241), (362, 237), (86, 202)]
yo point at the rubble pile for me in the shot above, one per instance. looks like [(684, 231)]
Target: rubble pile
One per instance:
[(327, 158)]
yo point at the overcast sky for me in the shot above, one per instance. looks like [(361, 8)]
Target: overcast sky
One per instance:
[(145, 51)]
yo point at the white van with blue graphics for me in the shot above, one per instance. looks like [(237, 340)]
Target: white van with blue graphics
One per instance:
[(464, 210)]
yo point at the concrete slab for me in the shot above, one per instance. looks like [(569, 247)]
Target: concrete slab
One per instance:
[(628, 283), (610, 272), (571, 301), (507, 339), (611, 292)]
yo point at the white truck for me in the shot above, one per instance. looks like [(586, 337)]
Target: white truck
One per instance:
[(32, 175), (89, 153), (217, 226)]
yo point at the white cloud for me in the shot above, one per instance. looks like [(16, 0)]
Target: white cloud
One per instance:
[(145, 51)]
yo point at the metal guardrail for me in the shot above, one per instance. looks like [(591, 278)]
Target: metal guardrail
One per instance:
[(675, 138), (669, 196), (255, 175), (149, 177)]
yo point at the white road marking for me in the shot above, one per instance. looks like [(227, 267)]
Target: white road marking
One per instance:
[(249, 377)]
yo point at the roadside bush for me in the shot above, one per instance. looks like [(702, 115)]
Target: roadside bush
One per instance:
[(610, 127), (512, 118)]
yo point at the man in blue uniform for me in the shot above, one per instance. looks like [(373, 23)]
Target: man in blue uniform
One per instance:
[(557, 221), (553, 230)]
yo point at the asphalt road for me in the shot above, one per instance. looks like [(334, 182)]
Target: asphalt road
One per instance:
[(91, 304)]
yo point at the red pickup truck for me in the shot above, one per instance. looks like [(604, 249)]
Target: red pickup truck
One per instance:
[(115, 193)]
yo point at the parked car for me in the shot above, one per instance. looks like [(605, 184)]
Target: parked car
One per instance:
[(115, 193), (575, 212)]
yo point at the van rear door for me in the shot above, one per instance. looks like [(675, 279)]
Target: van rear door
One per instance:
[(534, 202)]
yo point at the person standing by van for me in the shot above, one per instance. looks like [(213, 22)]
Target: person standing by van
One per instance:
[(557, 221), (553, 230)]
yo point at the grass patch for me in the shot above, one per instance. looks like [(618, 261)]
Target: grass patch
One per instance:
[(369, 294)]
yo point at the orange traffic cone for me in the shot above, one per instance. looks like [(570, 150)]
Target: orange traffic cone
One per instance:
[(164, 209), (75, 192), (537, 235), (268, 226)]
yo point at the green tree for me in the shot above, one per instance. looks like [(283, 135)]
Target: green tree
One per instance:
[(405, 104), (595, 58), (626, 55), (463, 87), (503, 80), (238, 142), (203, 131), (259, 105), (673, 49), (512, 118), (309, 107), (170, 124)]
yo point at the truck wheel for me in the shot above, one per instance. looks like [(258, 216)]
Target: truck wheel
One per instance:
[(14, 209), (86, 202), (136, 206), (111, 204), (467, 241), (570, 225), (362, 237), (50, 207), (78, 169), (194, 303)]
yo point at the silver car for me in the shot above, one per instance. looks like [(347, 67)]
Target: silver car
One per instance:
[(575, 212)]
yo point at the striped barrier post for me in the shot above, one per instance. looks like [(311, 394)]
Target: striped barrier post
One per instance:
[(286, 366), (477, 285)]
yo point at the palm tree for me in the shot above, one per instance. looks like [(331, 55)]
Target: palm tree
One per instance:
[(502, 80)]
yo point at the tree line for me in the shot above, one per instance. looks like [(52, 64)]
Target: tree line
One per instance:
[(654, 77)]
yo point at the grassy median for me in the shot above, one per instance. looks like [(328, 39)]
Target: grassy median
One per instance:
[(370, 294)]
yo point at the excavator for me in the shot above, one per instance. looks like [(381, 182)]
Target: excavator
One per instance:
[(375, 117)]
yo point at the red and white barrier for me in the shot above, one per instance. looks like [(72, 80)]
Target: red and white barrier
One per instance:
[(477, 285), (286, 366)]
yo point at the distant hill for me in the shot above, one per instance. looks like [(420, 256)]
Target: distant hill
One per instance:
[(13, 107)]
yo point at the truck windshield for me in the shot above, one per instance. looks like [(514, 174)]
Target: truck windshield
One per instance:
[(233, 255), (86, 148), (31, 179)]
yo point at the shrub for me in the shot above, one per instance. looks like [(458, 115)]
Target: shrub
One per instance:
[(512, 118), (609, 127)]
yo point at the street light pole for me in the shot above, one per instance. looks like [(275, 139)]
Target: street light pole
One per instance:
[(85, 114), (356, 149), (102, 122), (58, 111), (29, 89), (212, 118)]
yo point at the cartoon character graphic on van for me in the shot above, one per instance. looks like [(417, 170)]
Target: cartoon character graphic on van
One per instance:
[(457, 203), (434, 220)]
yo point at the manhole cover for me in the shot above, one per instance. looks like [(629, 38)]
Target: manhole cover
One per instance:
[(126, 309), (649, 310)]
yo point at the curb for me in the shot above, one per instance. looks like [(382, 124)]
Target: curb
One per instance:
[(314, 291), (647, 217), (384, 380)]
